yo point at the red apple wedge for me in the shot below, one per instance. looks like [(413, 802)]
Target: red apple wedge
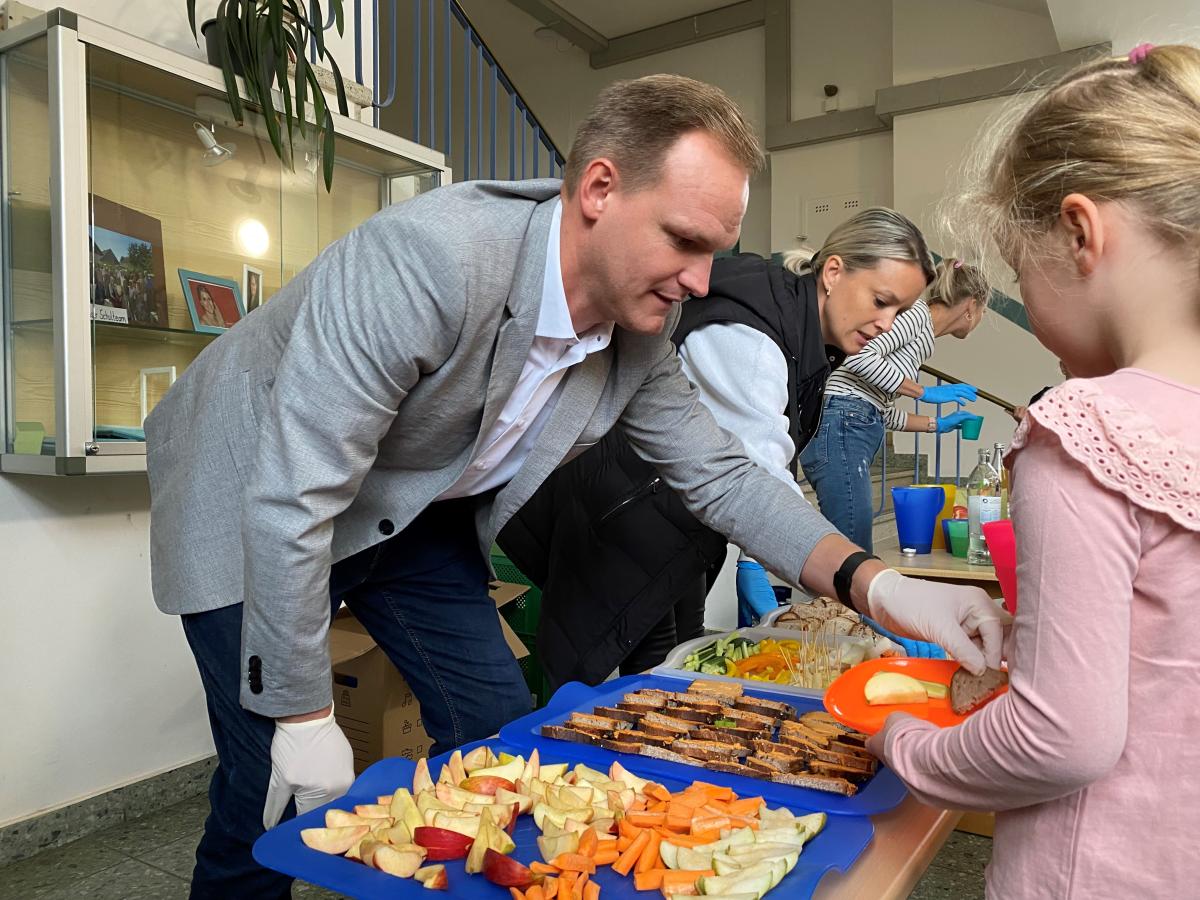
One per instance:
[(507, 872), (372, 811), (333, 840), (486, 784), (442, 843)]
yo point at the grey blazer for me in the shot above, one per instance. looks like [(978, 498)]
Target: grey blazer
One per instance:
[(330, 417)]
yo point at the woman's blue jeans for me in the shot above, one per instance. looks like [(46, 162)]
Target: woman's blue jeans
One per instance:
[(837, 463)]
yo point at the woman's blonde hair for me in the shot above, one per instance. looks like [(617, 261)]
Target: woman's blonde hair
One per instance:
[(863, 240), (956, 281), (1111, 129)]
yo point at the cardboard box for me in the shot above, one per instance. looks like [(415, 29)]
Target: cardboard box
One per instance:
[(373, 704)]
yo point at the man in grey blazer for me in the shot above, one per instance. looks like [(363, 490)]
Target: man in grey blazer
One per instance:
[(361, 439)]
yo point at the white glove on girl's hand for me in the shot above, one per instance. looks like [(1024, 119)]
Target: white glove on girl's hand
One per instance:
[(962, 619), (311, 761)]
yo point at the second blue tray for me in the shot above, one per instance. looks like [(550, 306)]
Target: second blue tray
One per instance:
[(836, 847), (884, 792)]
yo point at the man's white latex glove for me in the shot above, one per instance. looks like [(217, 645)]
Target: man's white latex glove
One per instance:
[(964, 620), (311, 761)]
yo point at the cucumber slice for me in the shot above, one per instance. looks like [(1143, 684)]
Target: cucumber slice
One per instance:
[(936, 690), (670, 854), (693, 859), (811, 825)]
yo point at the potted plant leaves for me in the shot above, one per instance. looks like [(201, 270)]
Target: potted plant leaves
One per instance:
[(256, 39)]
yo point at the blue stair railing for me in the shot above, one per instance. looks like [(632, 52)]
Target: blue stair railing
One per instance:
[(458, 99)]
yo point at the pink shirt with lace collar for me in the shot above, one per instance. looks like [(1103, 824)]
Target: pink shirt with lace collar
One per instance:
[(1092, 759)]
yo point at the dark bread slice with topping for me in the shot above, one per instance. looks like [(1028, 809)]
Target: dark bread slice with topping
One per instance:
[(835, 771), (727, 690), (708, 749), (772, 708), (622, 745), (780, 762), (968, 692), (665, 721), (724, 736), (594, 723), (732, 768), (563, 733), (669, 755), (614, 712), (816, 782), (694, 715)]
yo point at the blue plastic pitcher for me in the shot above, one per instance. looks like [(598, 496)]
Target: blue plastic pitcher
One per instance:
[(917, 510)]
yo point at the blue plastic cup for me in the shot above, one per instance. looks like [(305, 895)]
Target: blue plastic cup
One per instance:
[(917, 510)]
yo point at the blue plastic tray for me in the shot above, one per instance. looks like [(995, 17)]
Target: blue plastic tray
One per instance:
[(884, 792), (837, 847)]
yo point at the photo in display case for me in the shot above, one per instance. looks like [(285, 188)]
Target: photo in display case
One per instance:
[(128, 273), (214, 303), (252, 287)]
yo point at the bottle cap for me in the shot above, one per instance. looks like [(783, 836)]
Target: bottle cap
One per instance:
[(908, 551)]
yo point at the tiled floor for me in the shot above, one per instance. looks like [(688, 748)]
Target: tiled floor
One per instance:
[(151, 859)]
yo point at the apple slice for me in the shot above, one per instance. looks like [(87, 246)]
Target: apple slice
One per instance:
[(401, 861), (476, 759), (433, 878), (456, 821), (333, 840), (339, 818), (510, 771), (617, 772), (397, 835), (552, 847), (457, 797), (421, 779), (486, 784), (372, 811), (403, 808), (524, 802), (505, 871), (552, 772), (533, 767), (442, 843), (457, 772)]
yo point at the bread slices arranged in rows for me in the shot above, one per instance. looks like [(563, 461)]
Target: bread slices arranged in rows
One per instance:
[(714, 725)]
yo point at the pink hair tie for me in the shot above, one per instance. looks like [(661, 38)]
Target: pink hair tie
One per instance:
[(958, 264), (1139, 53)]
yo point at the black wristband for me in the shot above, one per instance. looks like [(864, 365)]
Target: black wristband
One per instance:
[(845, 576)]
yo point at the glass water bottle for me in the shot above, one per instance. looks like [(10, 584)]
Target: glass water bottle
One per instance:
[(983, 505)]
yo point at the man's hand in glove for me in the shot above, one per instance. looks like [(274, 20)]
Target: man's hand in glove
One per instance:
[(963, 620), (311, 761)]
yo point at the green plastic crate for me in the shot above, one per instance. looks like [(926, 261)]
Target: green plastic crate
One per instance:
[(524, 613)]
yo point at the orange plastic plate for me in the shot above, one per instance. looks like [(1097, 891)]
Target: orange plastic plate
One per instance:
[(847, 703)]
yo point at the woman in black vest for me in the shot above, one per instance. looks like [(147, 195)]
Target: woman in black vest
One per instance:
[(624, 568)]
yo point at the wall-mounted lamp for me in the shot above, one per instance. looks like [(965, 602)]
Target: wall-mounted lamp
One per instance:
[(215, 152)]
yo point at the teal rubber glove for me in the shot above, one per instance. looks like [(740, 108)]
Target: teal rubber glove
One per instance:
[(916, 649), (756, 598), (949, 393), (953, 421)]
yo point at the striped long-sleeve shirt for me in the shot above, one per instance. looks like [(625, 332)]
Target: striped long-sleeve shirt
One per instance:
[(875, 373)]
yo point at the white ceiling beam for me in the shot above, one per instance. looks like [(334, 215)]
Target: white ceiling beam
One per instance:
[(574, 29), (681, 33)]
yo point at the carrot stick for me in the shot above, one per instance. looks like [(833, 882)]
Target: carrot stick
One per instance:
[(625, 828), (591, 891), (656, 791), (657, 806), (537, 867), (535, 893), (565, 882), (623, 844), (716, 791), (645, 819), (574, 862), (549, 888), (649, 858), (606, 856), (626, 860), (747, 806), (515, 894), (579, 886), (648, 881), (588, 841)]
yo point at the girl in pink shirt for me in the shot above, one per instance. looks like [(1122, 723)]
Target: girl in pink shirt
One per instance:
[(1092, 759)]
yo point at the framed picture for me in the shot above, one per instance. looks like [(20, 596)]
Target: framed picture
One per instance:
[(128, 282), (252, 287), (215, 303)]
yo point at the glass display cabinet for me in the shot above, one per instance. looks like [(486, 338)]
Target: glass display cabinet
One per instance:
[(139, 223)]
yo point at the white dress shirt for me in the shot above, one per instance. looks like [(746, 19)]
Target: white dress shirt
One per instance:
[(555, 349)]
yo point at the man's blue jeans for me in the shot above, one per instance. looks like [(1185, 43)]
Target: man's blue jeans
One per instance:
[(423, 596), (837, 463)]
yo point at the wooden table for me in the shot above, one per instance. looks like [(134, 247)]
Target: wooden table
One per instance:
[(941, 566), (905, 843)]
